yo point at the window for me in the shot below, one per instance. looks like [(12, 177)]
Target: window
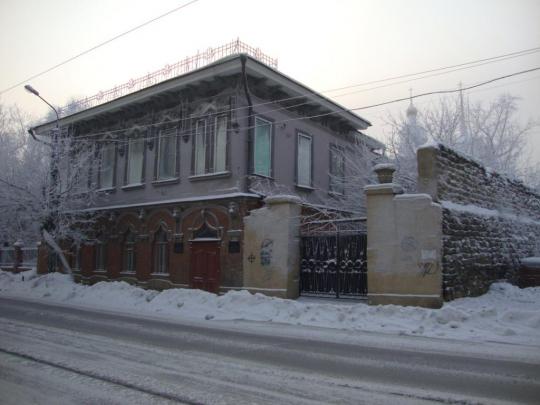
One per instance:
[(107, 157), (161, 252), (129, 252), (135, 161), (101, 255), (262, 148), (166, 155), (337, 170), (77, 254), (304, 160), (210, 146)]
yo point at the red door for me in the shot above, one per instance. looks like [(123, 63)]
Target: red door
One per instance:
[(205, 266)]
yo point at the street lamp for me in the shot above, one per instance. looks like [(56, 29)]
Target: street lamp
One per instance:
[(30, 89), (53, 194)]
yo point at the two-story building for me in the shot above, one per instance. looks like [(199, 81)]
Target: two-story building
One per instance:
[(181, 163)]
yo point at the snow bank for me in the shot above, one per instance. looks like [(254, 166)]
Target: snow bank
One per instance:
[(505, 314)]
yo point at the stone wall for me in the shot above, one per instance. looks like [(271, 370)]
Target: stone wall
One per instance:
[(489, 220)]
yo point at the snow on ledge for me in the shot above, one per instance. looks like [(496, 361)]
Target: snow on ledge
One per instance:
[(209, 197), (282, 198), (384, 166), (430, 144), (419, 196), (485, 212)]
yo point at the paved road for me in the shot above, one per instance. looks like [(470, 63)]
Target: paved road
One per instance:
[(54, 354)]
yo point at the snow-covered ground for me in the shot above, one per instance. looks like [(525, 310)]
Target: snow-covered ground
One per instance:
[(505, 314)]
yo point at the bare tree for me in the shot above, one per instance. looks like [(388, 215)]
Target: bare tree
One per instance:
[(351, 169), (22, 165), (30, 198), (489, 133)]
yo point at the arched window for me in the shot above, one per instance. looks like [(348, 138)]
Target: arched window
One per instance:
[(101, 254), (161, 252), (129, 252)]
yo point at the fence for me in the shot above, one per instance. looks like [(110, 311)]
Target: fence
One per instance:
[(333, 258), (18, 258)]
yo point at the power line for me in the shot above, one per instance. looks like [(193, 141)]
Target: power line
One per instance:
[(426, 76), (99, 45), (432, 93), (190, 132), (507, 84), (492, 58), (479, 62), (343, 94)]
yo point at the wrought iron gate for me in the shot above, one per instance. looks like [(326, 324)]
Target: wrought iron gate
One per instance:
[(334, 262)]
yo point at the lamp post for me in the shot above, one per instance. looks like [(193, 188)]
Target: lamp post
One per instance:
[(53, 197)]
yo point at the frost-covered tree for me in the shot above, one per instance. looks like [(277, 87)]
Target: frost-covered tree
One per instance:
[(32, 200), (22, 166), (350, 170), (489, 133)]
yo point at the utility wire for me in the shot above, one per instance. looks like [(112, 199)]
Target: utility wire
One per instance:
[(192, 131), (98, 46), (492, 58), (424, 77), (462, 66), (305, 94)]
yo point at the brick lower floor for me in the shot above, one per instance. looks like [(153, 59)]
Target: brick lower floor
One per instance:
[(188, 245)]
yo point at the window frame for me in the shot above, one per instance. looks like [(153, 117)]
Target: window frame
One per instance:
[(210, 146), (334, 148), (129, 247), (135, 137), (300, 134), (161, 131), (101, 147), (253, 147), (161, 253), (100, 254)]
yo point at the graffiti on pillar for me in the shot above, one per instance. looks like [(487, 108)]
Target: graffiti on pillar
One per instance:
[(428, 262), (266, 252)]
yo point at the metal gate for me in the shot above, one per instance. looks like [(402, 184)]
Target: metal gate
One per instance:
[(333, 259)]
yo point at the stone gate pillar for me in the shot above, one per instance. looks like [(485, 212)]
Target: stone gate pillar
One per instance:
[(271, 260), (404, 246)]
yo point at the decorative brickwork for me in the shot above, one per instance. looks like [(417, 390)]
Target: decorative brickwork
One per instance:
[(181, 224), (489, 220)]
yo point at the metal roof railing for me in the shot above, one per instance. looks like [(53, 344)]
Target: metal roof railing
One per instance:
[(168, 72)]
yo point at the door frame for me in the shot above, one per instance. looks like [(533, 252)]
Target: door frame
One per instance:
[(192, 244)]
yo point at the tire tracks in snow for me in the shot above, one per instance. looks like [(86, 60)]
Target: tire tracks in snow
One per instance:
[(110, 380)]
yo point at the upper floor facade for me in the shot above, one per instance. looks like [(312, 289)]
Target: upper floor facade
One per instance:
[(236, 127)]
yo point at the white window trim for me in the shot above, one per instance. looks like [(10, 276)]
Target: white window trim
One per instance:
[(304, 135), (271, 166), (128, 166), (203, 123), (158, 162), (216, 150), (336, 149)]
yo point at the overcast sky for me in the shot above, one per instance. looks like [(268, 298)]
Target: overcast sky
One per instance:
[(323, 44)]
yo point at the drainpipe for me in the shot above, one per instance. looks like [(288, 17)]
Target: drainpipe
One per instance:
[(243, 59)]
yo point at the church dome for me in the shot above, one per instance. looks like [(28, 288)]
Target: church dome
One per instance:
[(411, 110)]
